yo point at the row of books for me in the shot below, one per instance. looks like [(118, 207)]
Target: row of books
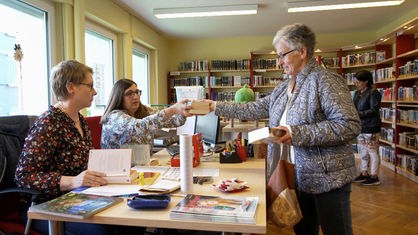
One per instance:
[(408, 139), (194, 65), (408, 93), (387, 154), (229, 81), (243, 64), (387, 114), (387, 93), (410, 68), (260, 80), (387, 134), (223, 96), (384, 74), (408, 162), (266, 63), (189, 81), (407, 116), (330, 62), (363, 58)]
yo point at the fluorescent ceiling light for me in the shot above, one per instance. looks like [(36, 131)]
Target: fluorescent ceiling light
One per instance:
[(164, 13), (302, 6)]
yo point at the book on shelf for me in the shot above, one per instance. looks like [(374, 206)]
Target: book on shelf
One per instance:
[(216, 208), (76, 205), (115, 163)]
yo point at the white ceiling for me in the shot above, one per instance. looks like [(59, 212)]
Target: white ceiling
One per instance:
[(272, 15)]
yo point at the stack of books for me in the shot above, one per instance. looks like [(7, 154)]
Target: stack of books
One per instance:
[(214, 208)]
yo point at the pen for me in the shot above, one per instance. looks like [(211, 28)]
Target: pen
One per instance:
[(127, 195), (178, 195)]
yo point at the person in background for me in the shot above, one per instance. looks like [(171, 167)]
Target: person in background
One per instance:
[(55, 154), (367, 101), (314, 108), (127, 121)]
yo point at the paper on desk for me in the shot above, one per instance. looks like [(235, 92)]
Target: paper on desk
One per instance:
[(113, 189)]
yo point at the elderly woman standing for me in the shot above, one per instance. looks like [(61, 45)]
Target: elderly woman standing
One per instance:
[(315, 109)]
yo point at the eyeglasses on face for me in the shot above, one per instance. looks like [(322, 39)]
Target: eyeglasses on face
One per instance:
[(131, 93), (90, 85), (283, 55)]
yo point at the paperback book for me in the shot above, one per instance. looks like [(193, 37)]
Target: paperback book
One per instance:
[(76, 205), (215, 208)]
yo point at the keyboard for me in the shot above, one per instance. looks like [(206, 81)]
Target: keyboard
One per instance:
[(172, 173), (173, 150)]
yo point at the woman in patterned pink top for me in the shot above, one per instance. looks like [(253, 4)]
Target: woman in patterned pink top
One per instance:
[(127, 121)]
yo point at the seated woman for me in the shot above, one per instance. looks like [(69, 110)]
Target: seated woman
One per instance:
[(127, 121), (55, 155)]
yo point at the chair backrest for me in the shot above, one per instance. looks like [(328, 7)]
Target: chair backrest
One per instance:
[(96, 130), (13, 131)]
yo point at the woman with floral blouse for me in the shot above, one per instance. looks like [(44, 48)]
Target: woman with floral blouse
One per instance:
[(126, 121), (55, 155)]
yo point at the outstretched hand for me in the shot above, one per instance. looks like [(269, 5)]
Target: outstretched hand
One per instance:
[(180, 107)]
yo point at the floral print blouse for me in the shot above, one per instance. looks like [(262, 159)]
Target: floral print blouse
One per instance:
[(53, 148), (120, 128)]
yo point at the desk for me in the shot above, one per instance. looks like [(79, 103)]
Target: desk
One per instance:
[(252, 171)]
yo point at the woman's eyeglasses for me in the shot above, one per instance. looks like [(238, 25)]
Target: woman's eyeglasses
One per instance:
[(90, 85), (283, 55), (131, 93)]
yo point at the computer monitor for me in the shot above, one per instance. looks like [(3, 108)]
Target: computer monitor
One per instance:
[(209, 126)]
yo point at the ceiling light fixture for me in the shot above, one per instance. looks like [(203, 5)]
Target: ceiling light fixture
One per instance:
[(164, 13), (303, 6)]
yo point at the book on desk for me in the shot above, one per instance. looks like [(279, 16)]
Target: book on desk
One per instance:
[(76, 205), (215, 208)]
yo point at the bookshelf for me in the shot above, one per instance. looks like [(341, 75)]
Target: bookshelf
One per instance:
[(222, 78), (393, 59)]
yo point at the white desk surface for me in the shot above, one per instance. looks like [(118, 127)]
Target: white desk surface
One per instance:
[(252, 171)]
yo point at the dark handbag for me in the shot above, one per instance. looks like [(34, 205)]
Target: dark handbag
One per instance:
[(282, 205)]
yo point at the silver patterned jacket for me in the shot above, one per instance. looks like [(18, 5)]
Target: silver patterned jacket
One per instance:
[(323, 121)]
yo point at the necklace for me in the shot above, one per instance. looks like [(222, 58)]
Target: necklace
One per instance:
[(66, 113)]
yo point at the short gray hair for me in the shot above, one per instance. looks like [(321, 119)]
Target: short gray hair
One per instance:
[(297, 36)]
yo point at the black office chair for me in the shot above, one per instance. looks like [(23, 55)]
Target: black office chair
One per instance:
[(13, 131)]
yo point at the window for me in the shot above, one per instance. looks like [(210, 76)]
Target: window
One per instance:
[(140, 71), (24, 79), (100, 55)]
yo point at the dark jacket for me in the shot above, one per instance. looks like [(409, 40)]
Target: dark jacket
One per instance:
[(368, 105)]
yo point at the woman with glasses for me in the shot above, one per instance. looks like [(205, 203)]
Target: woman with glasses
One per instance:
[(127, 121), (313, 106), (55, 154), (367, 101)]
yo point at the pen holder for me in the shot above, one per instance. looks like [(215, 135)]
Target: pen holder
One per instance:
[(231, 157), (242, 153)]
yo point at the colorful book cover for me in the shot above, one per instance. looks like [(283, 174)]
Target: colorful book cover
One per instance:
[(214, 208), (76, 205)]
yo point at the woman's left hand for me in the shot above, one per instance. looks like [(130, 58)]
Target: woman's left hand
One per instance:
[(286, 138)]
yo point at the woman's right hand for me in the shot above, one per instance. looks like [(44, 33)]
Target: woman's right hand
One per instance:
[(85, 178), (179, 108)]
